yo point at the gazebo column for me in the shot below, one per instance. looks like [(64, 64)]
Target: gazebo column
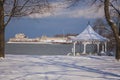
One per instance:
[(105, 46), (74, 44), (98, 47), (84, 49)]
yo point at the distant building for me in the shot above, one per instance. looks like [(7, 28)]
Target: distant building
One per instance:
[(22, 38), (55, 39)]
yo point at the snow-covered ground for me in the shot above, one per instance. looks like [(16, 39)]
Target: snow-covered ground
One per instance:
[(35, 67)]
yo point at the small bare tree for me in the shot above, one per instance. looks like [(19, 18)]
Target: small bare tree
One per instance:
[(18, 8), (102, 28)]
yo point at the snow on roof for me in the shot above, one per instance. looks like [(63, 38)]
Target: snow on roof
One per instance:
[(89, 35)]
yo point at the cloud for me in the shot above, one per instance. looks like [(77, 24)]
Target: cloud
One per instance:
[(87, 12), (59, 10), (56, 9), (37, 15)]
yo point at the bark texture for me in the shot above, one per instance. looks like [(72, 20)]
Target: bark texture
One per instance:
[(2, 30)]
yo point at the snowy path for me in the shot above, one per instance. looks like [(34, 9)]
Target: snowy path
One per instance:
[(33, 67)]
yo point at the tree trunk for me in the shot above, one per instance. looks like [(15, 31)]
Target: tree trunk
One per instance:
[(2, 30), (118, 49), (119, 29), (113, 27), (2, 43)]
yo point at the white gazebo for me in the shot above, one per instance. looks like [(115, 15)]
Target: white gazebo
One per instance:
[(89, 36)]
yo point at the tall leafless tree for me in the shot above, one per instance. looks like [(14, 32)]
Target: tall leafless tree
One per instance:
[(18, 8), (107, 5)]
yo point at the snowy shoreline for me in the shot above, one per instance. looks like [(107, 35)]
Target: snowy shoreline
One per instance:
[(36, 67)]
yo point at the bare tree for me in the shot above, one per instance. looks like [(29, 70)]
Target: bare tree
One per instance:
[(99, 26), (18, 8), (112, 24)]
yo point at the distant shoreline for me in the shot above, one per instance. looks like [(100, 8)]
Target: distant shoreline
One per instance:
[(36, 43), (28, 43)]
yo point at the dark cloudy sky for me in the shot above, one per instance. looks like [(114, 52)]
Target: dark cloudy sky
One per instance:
[(62, 21)]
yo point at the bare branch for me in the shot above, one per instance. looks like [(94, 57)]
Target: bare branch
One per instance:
[(24, 5), (11, 13), (117, 10)]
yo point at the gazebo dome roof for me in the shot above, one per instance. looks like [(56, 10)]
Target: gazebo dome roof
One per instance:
[(89, 35)]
